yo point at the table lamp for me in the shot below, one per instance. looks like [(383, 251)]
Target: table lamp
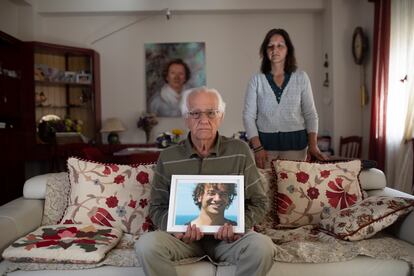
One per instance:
[(113, 126)]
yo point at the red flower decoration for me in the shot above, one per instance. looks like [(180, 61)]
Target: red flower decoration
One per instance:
[(107, 170), (84, 241), (112, 201), (283, 175), (119, 179), (338, 196), (148, 225), (313, 193), (132, 203), (325, 173), (46, 243), (302, 177), (114, 167), (143, 202), (68, 221), (143, 177), (100, 216), (284, 203)]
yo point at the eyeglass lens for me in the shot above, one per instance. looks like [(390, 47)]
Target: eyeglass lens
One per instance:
[(211, 114)]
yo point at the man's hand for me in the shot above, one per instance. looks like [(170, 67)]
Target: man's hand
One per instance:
[(261, 159), (225, 233), (192, 233)]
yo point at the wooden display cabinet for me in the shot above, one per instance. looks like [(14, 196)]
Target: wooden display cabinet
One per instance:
[(63, 81), (11, 118)]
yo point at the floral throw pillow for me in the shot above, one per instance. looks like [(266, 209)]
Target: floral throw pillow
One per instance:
[(110, 195), (64, 244), (307, 192), (366, 218)]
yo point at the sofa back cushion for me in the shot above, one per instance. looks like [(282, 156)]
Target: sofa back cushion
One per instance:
[(306, 192), (109, 194)]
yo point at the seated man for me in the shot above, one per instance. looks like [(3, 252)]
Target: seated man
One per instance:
[(213, 199), (205, 152)]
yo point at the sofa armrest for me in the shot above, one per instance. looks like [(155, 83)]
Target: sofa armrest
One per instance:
[(402, 229), (17, 218)]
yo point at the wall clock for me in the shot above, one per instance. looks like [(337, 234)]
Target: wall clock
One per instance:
[(359, 45)]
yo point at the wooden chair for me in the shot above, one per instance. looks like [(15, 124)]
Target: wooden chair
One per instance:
[(350, 147)]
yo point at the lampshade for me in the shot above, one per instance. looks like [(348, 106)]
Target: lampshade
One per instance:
[(113, 125)]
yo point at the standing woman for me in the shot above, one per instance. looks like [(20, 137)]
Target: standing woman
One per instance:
[(279, 114)]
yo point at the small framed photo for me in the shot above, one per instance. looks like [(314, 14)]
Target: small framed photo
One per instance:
[(84, 78), (208, 201)]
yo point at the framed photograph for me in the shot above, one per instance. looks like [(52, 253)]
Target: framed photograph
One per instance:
[(207, 201)]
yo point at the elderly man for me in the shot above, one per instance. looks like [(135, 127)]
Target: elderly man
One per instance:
[(206, 152)]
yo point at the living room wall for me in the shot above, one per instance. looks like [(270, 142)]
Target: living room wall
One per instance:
[(232, 39)]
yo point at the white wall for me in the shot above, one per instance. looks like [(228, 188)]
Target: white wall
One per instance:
[(232, 38), (232, 42)]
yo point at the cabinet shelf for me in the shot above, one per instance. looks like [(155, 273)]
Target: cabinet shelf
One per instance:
[(61, 83), (62, 106)]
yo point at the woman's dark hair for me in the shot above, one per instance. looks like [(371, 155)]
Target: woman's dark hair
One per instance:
[(290, 62), (176, 61), (199, 191)]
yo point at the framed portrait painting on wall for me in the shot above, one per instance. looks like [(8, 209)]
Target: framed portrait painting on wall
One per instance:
[(170, 69), (208, 201)]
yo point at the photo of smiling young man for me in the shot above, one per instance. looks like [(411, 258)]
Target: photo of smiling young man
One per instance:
[(213, 199)]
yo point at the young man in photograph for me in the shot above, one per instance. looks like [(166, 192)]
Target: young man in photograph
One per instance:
[(213, 199)]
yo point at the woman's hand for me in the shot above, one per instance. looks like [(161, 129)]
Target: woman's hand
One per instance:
[(315, 152)]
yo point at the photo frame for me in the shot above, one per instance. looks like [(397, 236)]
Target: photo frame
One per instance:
[(194, 196)]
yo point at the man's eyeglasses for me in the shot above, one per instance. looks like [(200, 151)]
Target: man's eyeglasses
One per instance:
[(211, 114)]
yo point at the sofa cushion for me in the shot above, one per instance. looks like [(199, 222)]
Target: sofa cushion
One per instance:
[(109, 194), (56, 199), (366, 218), (307, 191), (64, 244)]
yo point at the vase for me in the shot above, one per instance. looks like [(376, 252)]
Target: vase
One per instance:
[(147, 136)]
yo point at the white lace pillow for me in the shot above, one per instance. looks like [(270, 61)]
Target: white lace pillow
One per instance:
[(56, 199), (64, 244), (109, 194), (366, 218)]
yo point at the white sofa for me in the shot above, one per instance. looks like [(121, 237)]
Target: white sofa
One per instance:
[(24, 214)]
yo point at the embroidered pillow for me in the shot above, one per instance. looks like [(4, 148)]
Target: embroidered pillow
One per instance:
[(307, 192), (111, 195), (366, 218), (76, 243), (56, 199)]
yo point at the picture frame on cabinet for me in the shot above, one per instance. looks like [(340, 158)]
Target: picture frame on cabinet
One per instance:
[(84, 78)]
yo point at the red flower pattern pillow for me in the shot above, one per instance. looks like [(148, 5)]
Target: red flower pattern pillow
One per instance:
[(307, 192), (110, 195), (79, 244)]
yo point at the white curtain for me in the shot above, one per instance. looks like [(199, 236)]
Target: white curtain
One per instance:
[(399, 163)]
